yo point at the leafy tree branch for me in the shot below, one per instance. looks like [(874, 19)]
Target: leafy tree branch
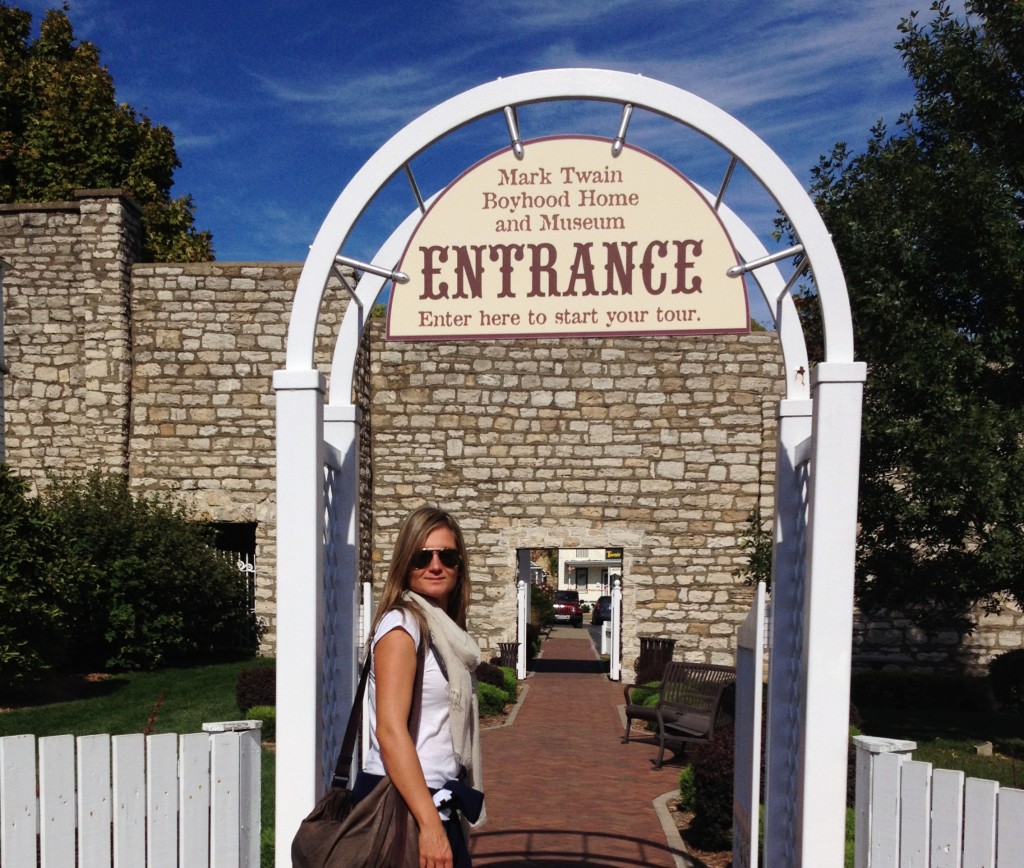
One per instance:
[(62, 129)]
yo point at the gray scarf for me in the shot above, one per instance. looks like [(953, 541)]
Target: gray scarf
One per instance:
[(460, 655)]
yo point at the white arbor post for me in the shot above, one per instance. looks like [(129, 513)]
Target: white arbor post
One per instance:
[(746, 800), (615, 652), (828, 612), (523, 583), (300, 532), (366, 614), (522, 619)]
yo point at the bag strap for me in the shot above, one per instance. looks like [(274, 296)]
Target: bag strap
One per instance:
[(348, 743)]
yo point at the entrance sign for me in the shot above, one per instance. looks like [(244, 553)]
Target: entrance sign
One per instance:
[(568, 240)]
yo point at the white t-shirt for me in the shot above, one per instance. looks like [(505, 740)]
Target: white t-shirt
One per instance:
[(434, 739)]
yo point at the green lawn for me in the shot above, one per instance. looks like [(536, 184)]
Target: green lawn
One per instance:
[(171, 700), (947, 739)]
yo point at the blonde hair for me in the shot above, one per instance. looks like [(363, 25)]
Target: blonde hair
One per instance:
[(415, 529)]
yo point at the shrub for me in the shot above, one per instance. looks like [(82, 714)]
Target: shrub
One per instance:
[(268, 714), (542, 606), (712, 780), (511, 683), (920, 690), (646, 694), (487, 673), (1006, 675), (491, 699), (687, 789), (532, 641), (157, 592), (256, 686), (757, 541), (34, 574)]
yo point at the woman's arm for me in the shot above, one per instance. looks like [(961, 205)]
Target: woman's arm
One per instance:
[(395, 675)]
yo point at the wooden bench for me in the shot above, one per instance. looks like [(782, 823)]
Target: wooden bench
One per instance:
[(691, 704)]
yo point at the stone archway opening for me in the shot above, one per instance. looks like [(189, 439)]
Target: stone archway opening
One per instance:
[(544, 575)]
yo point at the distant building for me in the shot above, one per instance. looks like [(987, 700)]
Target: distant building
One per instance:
[(538, 576), (589, 571)]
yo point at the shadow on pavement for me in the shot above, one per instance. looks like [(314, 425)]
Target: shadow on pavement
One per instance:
[(545, 848), (586, 664), (587, 667)]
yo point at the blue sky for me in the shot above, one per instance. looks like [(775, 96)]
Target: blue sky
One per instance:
[(275, 105)]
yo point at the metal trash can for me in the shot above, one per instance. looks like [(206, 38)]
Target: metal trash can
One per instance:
[(509, 654), (655, 652)]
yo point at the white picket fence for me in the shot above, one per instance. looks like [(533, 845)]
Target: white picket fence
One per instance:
[(909, 815), (132, 801)]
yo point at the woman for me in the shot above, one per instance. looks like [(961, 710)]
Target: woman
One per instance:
[(425, 598)]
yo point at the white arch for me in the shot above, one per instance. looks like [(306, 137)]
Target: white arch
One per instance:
[(596, 84), (819, 434)]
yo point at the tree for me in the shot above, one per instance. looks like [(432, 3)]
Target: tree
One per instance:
[(929, 224), (61, 128), (756, 541)]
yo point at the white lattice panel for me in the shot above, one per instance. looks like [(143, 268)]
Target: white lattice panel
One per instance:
[(334, 709), (787, 648)]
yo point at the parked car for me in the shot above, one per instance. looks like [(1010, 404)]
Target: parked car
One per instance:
[(602, 611), (567, 608)]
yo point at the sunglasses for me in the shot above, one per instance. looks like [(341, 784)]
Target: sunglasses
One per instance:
[(449, 558)]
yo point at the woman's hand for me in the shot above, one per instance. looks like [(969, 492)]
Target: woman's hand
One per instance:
[(435, 851)]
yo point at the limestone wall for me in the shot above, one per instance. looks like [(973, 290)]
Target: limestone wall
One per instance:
[(887, 640), (68, 332), (208, 338), (662, 446), (161, 372)]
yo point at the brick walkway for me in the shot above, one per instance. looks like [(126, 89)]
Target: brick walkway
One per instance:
[(561, 788)]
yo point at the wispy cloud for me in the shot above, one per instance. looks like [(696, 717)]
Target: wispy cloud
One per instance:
[(367, 101), (275, 105)]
